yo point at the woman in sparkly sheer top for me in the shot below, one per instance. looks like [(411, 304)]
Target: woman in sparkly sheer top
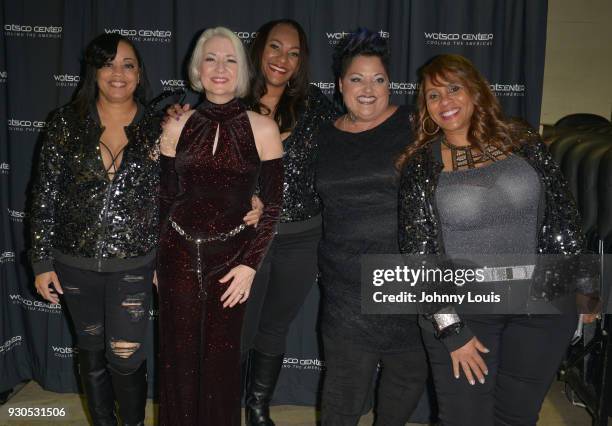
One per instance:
[(213, 158), (475, 183)]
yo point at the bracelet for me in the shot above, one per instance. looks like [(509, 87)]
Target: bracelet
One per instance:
[(451, 330), (448, 323)]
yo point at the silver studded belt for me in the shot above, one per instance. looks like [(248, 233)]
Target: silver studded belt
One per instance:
[(223, 236)]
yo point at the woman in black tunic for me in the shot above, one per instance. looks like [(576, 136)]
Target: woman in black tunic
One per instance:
[(358, 185)]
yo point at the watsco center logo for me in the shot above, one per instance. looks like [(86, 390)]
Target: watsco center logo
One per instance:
[(7, 257), (173, 84), (66, 80), (403, 87), (16, 215), (10, 344), (35, 305), (17, 125), (458, 39), (246, 36), (5, 168), (32, 31), (64, 351), (508, 89), (327, 87), (303, 364), (336, 37), (152, 35), (3, 76)]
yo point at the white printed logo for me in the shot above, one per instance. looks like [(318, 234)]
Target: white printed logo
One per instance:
[(35, 305), (64, 351), (458, 39), (33, 31), (3, 76), (17, 125), (5, 168), (246, 36), (173, 84), (327, 87), (7, 257), (66, 80), (403, 87), (334, 38), (508, 89), (10, 344), (150, 35), (16, 215), (303, 364)]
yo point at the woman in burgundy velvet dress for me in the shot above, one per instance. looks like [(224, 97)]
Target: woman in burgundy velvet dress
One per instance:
[(212, 159)]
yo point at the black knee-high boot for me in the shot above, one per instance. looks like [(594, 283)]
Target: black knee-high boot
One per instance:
[(131, 393), (98, 387), (263, 374)]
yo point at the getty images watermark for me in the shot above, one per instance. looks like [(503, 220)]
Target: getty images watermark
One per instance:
[(481, 284)]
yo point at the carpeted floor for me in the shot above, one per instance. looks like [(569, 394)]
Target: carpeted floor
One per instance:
[(557, 411)]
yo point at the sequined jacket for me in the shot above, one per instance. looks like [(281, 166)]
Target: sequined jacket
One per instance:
[(300, 200), (81, 218), (559, 224)]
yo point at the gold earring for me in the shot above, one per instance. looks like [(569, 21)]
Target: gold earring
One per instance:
[(425, 130)]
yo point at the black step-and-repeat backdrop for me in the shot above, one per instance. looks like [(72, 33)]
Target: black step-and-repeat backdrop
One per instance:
[(40, 47)]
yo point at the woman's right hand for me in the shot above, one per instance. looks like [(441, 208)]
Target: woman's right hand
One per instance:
[(42, 282), (468, 358)]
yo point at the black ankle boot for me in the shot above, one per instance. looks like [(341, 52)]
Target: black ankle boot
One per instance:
[(263, 373), (131, 393), (98, 388)]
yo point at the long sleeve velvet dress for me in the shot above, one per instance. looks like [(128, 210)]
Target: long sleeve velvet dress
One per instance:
[(208, 193)]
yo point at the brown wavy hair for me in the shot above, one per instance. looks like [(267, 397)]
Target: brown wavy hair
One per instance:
[(488, 125)]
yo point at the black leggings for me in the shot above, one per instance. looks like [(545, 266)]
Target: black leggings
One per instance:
[(280, 287), (110, 311), (349, 374), (525, 353)]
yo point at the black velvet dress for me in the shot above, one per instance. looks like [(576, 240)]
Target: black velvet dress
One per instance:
[(207, 194)]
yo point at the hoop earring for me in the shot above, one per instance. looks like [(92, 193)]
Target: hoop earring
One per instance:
[(425, 130), (288, 84)]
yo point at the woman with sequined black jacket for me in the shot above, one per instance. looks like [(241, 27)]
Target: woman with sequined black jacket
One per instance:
[(94, 224), (474, 183), (282, 91)]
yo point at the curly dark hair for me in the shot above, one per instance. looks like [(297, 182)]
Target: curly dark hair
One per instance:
[(293, 99), (488, 124), (362, 42), (98, 52)]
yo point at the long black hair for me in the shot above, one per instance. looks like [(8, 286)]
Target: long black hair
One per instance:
[(362, 42), (98, 52), (293, 99)]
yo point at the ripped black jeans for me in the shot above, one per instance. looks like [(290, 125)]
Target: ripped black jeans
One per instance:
[(110, 311)]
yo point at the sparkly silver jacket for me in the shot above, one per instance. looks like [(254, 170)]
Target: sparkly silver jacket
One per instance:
[(78, 216)]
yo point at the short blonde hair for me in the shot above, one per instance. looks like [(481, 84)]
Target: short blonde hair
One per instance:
[(242, 84)]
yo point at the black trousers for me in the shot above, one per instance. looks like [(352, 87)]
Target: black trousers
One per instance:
[(525, 353), (349, 374), (279, 289), (110, 311)]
